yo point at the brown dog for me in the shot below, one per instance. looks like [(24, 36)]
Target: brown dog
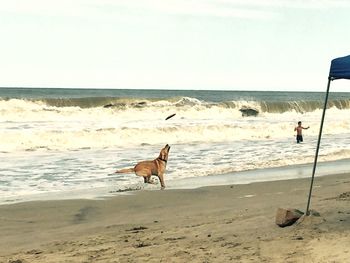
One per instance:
[(149, 168)]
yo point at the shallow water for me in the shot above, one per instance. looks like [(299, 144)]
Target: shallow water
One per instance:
[(29, 173)]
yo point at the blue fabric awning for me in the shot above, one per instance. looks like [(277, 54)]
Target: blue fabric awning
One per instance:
[(340, 68)]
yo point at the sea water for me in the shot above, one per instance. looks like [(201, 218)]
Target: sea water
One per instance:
[(54, 142)]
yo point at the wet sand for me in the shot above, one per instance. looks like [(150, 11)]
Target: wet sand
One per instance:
[(211, 224)]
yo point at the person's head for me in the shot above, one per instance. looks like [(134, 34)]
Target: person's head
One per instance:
[(299, 123)]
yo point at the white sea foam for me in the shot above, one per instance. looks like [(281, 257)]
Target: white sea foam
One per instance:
[(27, 125), (25, 174)]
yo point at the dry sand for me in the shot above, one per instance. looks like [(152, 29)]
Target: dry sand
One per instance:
[(233, 223)]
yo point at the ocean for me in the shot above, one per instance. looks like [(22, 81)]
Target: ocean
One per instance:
[(61, 143)]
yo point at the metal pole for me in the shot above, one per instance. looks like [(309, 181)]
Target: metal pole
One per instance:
[(318, 147)]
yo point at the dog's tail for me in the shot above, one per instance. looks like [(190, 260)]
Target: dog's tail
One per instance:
[(125, 171)]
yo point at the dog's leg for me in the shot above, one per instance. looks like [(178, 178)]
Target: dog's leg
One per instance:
[(146, 178), (149, 180), (161, 179)]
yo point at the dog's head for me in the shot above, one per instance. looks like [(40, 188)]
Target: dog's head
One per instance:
[(164, 153)]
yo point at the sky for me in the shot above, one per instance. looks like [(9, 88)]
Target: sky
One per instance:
[(173, 44)]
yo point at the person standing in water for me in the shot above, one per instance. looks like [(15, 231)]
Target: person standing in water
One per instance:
[(299, 129)]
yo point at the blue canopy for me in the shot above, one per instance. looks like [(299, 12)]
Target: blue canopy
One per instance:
[(340, 68)]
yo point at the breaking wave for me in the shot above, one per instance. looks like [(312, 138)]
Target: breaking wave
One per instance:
[(35, 125), (127, 103)]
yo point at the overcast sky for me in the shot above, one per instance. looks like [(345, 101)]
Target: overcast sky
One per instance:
[(180, 44)]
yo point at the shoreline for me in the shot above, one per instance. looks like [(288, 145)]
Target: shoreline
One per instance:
[(208, 224), (236, 178)]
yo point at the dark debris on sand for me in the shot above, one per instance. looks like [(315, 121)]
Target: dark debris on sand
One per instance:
[(344, 196)]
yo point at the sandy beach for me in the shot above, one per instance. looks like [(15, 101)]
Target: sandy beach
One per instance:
[(231, 223)]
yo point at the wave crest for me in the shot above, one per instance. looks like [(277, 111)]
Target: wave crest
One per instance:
[(178, 102)]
